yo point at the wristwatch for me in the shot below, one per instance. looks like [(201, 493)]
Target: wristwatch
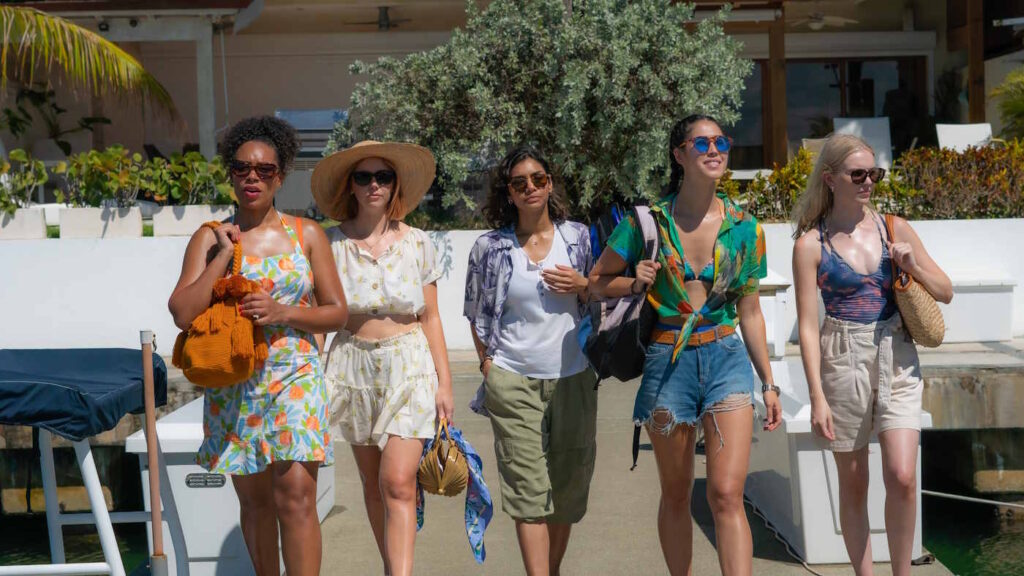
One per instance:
[(772, 387)]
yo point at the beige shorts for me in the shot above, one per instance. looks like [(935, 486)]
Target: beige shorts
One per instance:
[(871, 378)]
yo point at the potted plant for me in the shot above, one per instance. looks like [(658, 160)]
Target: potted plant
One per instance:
[(20, 177), (57, 145), (196, 191), (101, 188)]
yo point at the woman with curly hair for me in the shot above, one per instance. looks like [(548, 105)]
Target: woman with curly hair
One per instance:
[(526, 289), (269, 432)]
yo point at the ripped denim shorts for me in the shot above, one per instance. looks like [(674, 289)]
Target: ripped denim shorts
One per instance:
[(701, 377)]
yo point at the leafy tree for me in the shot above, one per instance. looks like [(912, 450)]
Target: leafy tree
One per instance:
[(1011, 103), (596, 88)]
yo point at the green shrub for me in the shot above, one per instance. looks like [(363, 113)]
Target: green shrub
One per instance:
[(20, 177), (596, 88), (117, 177), (771, 198), (937, 184)]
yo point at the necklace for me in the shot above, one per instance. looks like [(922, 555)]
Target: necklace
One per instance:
[(370, 247)]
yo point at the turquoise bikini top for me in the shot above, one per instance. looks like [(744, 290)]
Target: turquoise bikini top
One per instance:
[(706, 275)]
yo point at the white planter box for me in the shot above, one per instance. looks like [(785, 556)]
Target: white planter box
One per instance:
[(207, 504), (25, 224), (795, 485), (184, 220), (100, 223)]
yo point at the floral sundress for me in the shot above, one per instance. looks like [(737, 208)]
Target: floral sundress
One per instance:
[(280, 413)]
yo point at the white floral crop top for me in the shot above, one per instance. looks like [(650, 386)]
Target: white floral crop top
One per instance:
[(391, 284)]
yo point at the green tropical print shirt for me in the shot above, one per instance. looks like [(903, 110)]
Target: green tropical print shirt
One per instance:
[(739, 262)]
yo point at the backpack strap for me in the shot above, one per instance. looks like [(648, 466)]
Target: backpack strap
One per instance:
[(649, 228)]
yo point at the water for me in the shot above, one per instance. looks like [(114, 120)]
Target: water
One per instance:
[(23, 540), (971, 539)]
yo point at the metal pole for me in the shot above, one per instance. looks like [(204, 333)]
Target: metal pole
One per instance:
[(91, 479), (53, 520), (158, 561)]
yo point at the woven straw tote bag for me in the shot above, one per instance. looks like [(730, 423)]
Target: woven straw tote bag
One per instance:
[(222, 347), (920, 312), (443, 469)]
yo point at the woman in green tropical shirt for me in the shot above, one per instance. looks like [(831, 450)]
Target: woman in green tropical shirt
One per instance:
[(702, 284)]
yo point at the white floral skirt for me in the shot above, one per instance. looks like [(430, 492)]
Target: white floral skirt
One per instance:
[(381, 388)]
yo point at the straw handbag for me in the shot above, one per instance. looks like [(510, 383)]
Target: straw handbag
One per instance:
[(443, 469), (921, 315), (222, 347)]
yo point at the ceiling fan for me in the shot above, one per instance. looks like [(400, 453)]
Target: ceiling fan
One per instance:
[(384, 20), (816, 19)]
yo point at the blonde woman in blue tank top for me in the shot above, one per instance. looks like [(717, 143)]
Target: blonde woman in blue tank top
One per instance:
[(862, 368), (270, 432)]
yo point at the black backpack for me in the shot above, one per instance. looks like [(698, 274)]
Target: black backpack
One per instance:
[(616, 331)]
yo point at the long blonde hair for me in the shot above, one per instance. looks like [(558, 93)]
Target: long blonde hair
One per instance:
[(815, 203)]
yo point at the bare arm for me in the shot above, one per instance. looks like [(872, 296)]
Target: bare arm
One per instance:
[(911, 256), (431, 321), (207, 258), (754, 336), (806, 258), (606, 280)]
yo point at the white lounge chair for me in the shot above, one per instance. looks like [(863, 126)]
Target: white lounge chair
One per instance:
[(874, 131), (960, 137)]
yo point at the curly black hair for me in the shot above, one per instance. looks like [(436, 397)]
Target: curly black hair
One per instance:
[(499, 211), (275, 132)]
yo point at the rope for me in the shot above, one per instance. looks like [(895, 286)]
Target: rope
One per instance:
[(768, 525), (971, 499)]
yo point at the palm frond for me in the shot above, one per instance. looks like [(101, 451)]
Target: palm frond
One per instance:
[(33, 39)]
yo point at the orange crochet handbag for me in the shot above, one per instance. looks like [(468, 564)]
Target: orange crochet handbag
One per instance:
[(221, 347)]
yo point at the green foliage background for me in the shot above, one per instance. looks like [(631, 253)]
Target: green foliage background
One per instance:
[(597, 91)]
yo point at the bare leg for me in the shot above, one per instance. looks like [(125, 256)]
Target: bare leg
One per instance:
[(853, 508), (534, 545), (727, 473), (674, 455), (368, 463), (295, 500), (558, 538), (899, 471), (398, 465), (259, 520)]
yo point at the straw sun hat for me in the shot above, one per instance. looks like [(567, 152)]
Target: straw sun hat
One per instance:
[(413, 164)]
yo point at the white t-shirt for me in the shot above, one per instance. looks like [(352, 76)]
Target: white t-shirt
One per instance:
[(537, 333)]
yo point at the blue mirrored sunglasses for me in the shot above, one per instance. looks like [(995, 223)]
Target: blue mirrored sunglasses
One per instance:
[(703, 143)]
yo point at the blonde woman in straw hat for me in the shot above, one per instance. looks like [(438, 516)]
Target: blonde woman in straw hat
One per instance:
[(388, 368), (862, 368)]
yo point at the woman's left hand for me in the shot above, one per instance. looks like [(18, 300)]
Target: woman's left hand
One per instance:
[(564, 279), (774, 411), (903, 254), (263, 309), (444, 401)]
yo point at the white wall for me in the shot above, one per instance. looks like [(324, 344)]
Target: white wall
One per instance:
[(100, 293), (963, 248)]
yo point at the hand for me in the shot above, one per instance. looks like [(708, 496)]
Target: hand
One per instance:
[(485, 367), (646, 271), (227, 235), (263, 309), (773, 409), (444, 401), (903, 254), (564, 279), (821, 419)]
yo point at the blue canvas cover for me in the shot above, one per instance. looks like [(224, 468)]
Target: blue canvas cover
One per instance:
[(75, 393)]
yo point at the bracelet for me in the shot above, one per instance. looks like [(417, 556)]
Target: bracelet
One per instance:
[(632, 287), (765, 388)]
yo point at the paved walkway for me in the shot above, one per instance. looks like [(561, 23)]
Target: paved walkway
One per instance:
[(618, 536)]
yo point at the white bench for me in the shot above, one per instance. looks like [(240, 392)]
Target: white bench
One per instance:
[(982, 307)]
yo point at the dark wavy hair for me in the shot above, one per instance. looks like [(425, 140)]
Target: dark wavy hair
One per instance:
[(498, 211), (680, 132), (274, 132)]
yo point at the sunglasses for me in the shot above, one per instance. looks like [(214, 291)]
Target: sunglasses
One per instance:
[(241, 169), (518, 184), (860, 174), (703, 143), (383, 177)]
